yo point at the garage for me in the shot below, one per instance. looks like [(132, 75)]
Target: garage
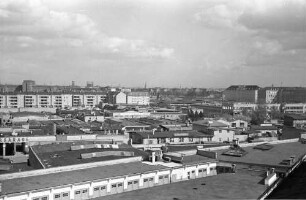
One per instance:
[(81, 194), (202, 173), (99, 191)]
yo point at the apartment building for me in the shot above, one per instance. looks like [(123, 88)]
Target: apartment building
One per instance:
[(241, 93), (138, 98), (48, 100)]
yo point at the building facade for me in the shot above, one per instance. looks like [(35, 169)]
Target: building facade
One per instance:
[(241, 93), (49, 100)]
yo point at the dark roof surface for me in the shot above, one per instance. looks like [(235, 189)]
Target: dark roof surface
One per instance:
[(68, 177)]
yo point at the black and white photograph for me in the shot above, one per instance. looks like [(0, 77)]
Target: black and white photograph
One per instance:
[(152, 99)]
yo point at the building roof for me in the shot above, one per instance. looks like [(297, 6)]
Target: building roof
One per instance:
[(223, 186), (243, 87), (172, 134), (75, 176), (56, 155), (256, 127), (210, 123), (272, 157)]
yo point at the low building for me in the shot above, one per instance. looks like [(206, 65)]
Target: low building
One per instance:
[(295, 120), (126, 114), (220, 132), (169, 137)]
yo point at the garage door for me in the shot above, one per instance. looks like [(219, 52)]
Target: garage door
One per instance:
[(99, 191)]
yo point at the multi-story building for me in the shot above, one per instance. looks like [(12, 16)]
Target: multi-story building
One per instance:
[(138, 98), (268, 94), (27, 85), (291, 95), (50, 100), (131, 98), (242, 93), (294, 108)]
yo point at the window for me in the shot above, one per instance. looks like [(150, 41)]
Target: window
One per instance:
[(181, 139), (84, 191), (145, 180), (190, 139), (35, 198), (57, 196), (96, 188), (220, 131), (200, 170), (167, 176), (171, 139), (135, 182), (192, 172), (78, 192), (160, 177), (103, 187), (66, 194), (130, 183), (44, 198), (151, 179), (114, 185), (120, 185)]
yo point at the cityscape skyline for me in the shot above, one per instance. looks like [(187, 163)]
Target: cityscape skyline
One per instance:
[(165, 44)]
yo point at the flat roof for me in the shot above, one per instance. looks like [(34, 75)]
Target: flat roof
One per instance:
[(272, 157), (221, 186), (61, 156), (64, 178)]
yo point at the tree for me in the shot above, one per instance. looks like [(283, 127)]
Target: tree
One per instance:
[(258, 116)]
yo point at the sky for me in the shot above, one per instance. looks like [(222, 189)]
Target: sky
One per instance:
[(163, 43)]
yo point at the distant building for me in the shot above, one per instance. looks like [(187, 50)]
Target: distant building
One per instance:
[(27, 85), (294, 108), (219, 131), (291, 95), (241, 93), (295, 120), (138, 98), (170, 137), (268, 94), (50, 100)]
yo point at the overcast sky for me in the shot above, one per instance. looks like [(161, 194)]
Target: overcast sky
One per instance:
[(167, 43)]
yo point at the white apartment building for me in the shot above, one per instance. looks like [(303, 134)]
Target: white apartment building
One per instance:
[(46, 100), (138, 98)]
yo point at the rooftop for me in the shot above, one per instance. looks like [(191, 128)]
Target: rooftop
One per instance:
[(222, 186), (172, 134), (272, 157), (64, 178), (56, 155)]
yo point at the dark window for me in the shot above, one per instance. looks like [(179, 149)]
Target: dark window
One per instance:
[(130, 183), (114, 185), (65, 194), (160, 177), (145, 180), (103, 187), (44, 198), (151, 179), (35, 199), (120, 185), (78, 192), (96, 188), (57, 196), (167, 176), (135, 182), (84, 191)]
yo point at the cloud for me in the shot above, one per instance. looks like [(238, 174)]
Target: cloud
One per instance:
[(29, 23)]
